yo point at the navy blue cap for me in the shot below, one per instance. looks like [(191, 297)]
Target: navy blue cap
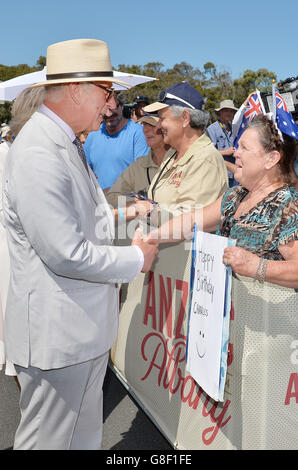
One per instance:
[(141, 99), (180, 94)]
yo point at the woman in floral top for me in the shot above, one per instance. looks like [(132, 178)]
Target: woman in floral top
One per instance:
[(261, 213)]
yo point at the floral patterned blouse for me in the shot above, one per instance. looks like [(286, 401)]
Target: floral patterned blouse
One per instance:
[(272, 222)]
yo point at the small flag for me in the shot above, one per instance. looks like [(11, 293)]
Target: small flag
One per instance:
[(245, 114), (284, 119)]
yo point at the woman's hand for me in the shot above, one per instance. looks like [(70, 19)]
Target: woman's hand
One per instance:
[(242, 262), (248, 98), (142, 208)]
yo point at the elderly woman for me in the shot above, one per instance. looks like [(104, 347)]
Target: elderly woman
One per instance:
[(138, 176), (195, 174), (261, 213)]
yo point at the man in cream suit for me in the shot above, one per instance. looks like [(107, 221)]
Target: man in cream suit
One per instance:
[(62, 306)]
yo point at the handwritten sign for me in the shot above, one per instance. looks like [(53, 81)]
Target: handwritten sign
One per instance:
[(209, 314)]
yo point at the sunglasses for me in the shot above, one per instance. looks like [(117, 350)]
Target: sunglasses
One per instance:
[(108, 90)]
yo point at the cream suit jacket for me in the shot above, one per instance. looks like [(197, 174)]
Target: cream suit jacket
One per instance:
[(62, 305)]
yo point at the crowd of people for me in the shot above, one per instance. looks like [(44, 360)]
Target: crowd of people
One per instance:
[(75, 164)]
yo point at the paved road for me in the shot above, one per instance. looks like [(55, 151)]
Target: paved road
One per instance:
[(126, 427)]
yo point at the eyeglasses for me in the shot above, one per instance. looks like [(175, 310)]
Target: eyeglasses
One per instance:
[(163, 95), (108, 90)]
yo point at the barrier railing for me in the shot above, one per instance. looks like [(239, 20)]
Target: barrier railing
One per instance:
[(260, 407)]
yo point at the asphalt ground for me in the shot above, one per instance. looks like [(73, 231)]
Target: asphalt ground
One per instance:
[(126, 426)]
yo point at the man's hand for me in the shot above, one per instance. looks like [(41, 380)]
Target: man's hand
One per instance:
[(149, 251)]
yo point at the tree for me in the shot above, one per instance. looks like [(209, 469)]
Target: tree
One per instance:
[(5, 112), (6, 73), (41, 62), (261, 79)]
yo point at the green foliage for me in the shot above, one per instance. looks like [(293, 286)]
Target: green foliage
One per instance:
[(8, 72), (41, 62), (261, 80), (214, 84), (5, 112)]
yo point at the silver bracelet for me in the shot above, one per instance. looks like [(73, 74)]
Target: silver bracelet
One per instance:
[(263, 272), (256, 276)]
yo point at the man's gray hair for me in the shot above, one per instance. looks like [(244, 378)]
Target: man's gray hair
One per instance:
[(198, 119)]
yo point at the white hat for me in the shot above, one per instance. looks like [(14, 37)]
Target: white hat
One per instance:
[(226, 104)]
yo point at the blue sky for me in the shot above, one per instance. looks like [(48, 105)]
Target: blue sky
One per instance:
[(233, 34)]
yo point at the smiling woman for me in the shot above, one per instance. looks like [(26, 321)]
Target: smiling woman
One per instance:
[(138, 176), (261, 213), (195, 175)]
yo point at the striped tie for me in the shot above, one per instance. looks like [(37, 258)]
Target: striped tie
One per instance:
[(81, 152)]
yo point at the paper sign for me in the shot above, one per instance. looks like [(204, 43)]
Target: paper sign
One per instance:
[(209, 314)]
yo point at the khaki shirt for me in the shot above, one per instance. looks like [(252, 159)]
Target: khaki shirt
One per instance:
[(136, 177), (199, 177)]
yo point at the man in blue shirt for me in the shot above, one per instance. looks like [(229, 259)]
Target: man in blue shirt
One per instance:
[(220, 132), (117, 144)]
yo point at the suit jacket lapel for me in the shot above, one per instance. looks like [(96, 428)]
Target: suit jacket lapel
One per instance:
[(90, 179), (57, 134)]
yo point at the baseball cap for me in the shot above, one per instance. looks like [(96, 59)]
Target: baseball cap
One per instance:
[(180, 94)]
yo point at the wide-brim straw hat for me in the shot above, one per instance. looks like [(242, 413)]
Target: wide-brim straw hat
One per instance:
[(79, 60), (226, 104)]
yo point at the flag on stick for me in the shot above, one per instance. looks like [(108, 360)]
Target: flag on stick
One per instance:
[(284, 119), (246, 113)]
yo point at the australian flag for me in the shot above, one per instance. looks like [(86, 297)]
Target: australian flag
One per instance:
[(245, 114), (284, 119)]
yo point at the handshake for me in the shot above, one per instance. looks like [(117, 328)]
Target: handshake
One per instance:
[(149, 249)]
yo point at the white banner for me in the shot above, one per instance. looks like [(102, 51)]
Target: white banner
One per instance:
[(206, 341)]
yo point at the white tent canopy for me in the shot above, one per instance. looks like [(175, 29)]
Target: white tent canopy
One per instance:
[(10, 89)]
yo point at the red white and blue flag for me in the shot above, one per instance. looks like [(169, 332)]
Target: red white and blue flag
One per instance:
[(245, 114), (284, 119)]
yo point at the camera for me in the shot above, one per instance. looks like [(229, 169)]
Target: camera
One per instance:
[(288, 89), (143, 194), (128, 109)]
